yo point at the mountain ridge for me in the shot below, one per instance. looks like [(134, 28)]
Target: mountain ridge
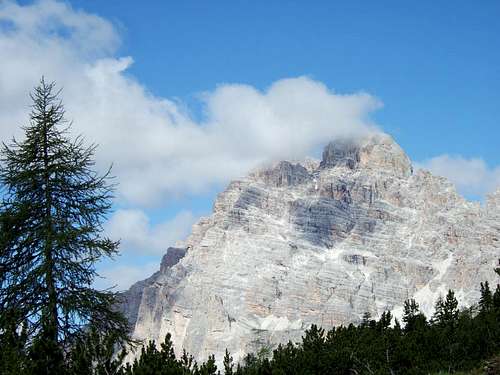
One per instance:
[(319, 242)]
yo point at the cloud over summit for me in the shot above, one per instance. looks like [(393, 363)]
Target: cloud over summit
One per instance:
[(157, 149)]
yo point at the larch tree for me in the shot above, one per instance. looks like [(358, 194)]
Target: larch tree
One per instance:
[(51, 235)]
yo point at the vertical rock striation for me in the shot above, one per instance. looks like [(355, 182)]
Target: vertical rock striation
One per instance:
[(323, 243)]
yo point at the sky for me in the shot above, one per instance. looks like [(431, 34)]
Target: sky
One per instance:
[(184, 96)]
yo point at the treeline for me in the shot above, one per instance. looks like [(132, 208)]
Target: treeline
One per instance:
[(449, 342), (53, 321)]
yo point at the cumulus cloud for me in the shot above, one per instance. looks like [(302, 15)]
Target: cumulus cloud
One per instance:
[(139, 236), (472, 177), (157, 149)]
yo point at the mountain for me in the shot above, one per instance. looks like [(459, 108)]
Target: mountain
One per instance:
[(323, 242)]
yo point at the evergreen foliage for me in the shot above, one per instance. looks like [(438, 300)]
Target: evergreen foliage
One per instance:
[(452, 341), (53, 205)]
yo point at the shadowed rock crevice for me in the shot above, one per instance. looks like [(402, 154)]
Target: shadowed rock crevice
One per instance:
[(172, 257), (324, 222)]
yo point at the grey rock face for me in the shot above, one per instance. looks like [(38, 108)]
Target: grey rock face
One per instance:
[(284, 174), (323, 243), (345, 152), (171, 258), (131, 300)]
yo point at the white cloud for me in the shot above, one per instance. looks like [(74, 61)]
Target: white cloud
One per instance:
[(471, 176), (139, 236), (157, 150), (123, 276)]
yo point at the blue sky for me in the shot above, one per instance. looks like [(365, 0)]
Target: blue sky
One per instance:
[(435, 67), (179, 76)]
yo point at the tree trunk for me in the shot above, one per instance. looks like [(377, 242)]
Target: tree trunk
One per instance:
[(52, 317)]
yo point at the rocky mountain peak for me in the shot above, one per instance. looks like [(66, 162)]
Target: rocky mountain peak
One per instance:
[(302, 243), (378, 151)]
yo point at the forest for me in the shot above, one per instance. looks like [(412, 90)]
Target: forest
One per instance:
[(451, 341)]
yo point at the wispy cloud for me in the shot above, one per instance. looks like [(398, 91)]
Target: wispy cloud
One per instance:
[(472, 177), (121, 277), (138, 236)]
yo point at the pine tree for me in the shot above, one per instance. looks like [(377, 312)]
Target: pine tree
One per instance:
[(412, 317), (228, 364), (12, 344), (496, 295), (95, 353), (51, 213), (496, 299), (446, 313), (187, 362), (486, 299), (450, 307), (208, 367), (385, 321)]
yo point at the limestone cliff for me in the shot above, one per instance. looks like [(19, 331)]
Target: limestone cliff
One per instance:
[(317, 242)]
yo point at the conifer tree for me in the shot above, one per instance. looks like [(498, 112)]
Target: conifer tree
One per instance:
[(412, 317), (53, 205), (447, 310), (208, 367), (12, 345), (486, 300), (228, 364)]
